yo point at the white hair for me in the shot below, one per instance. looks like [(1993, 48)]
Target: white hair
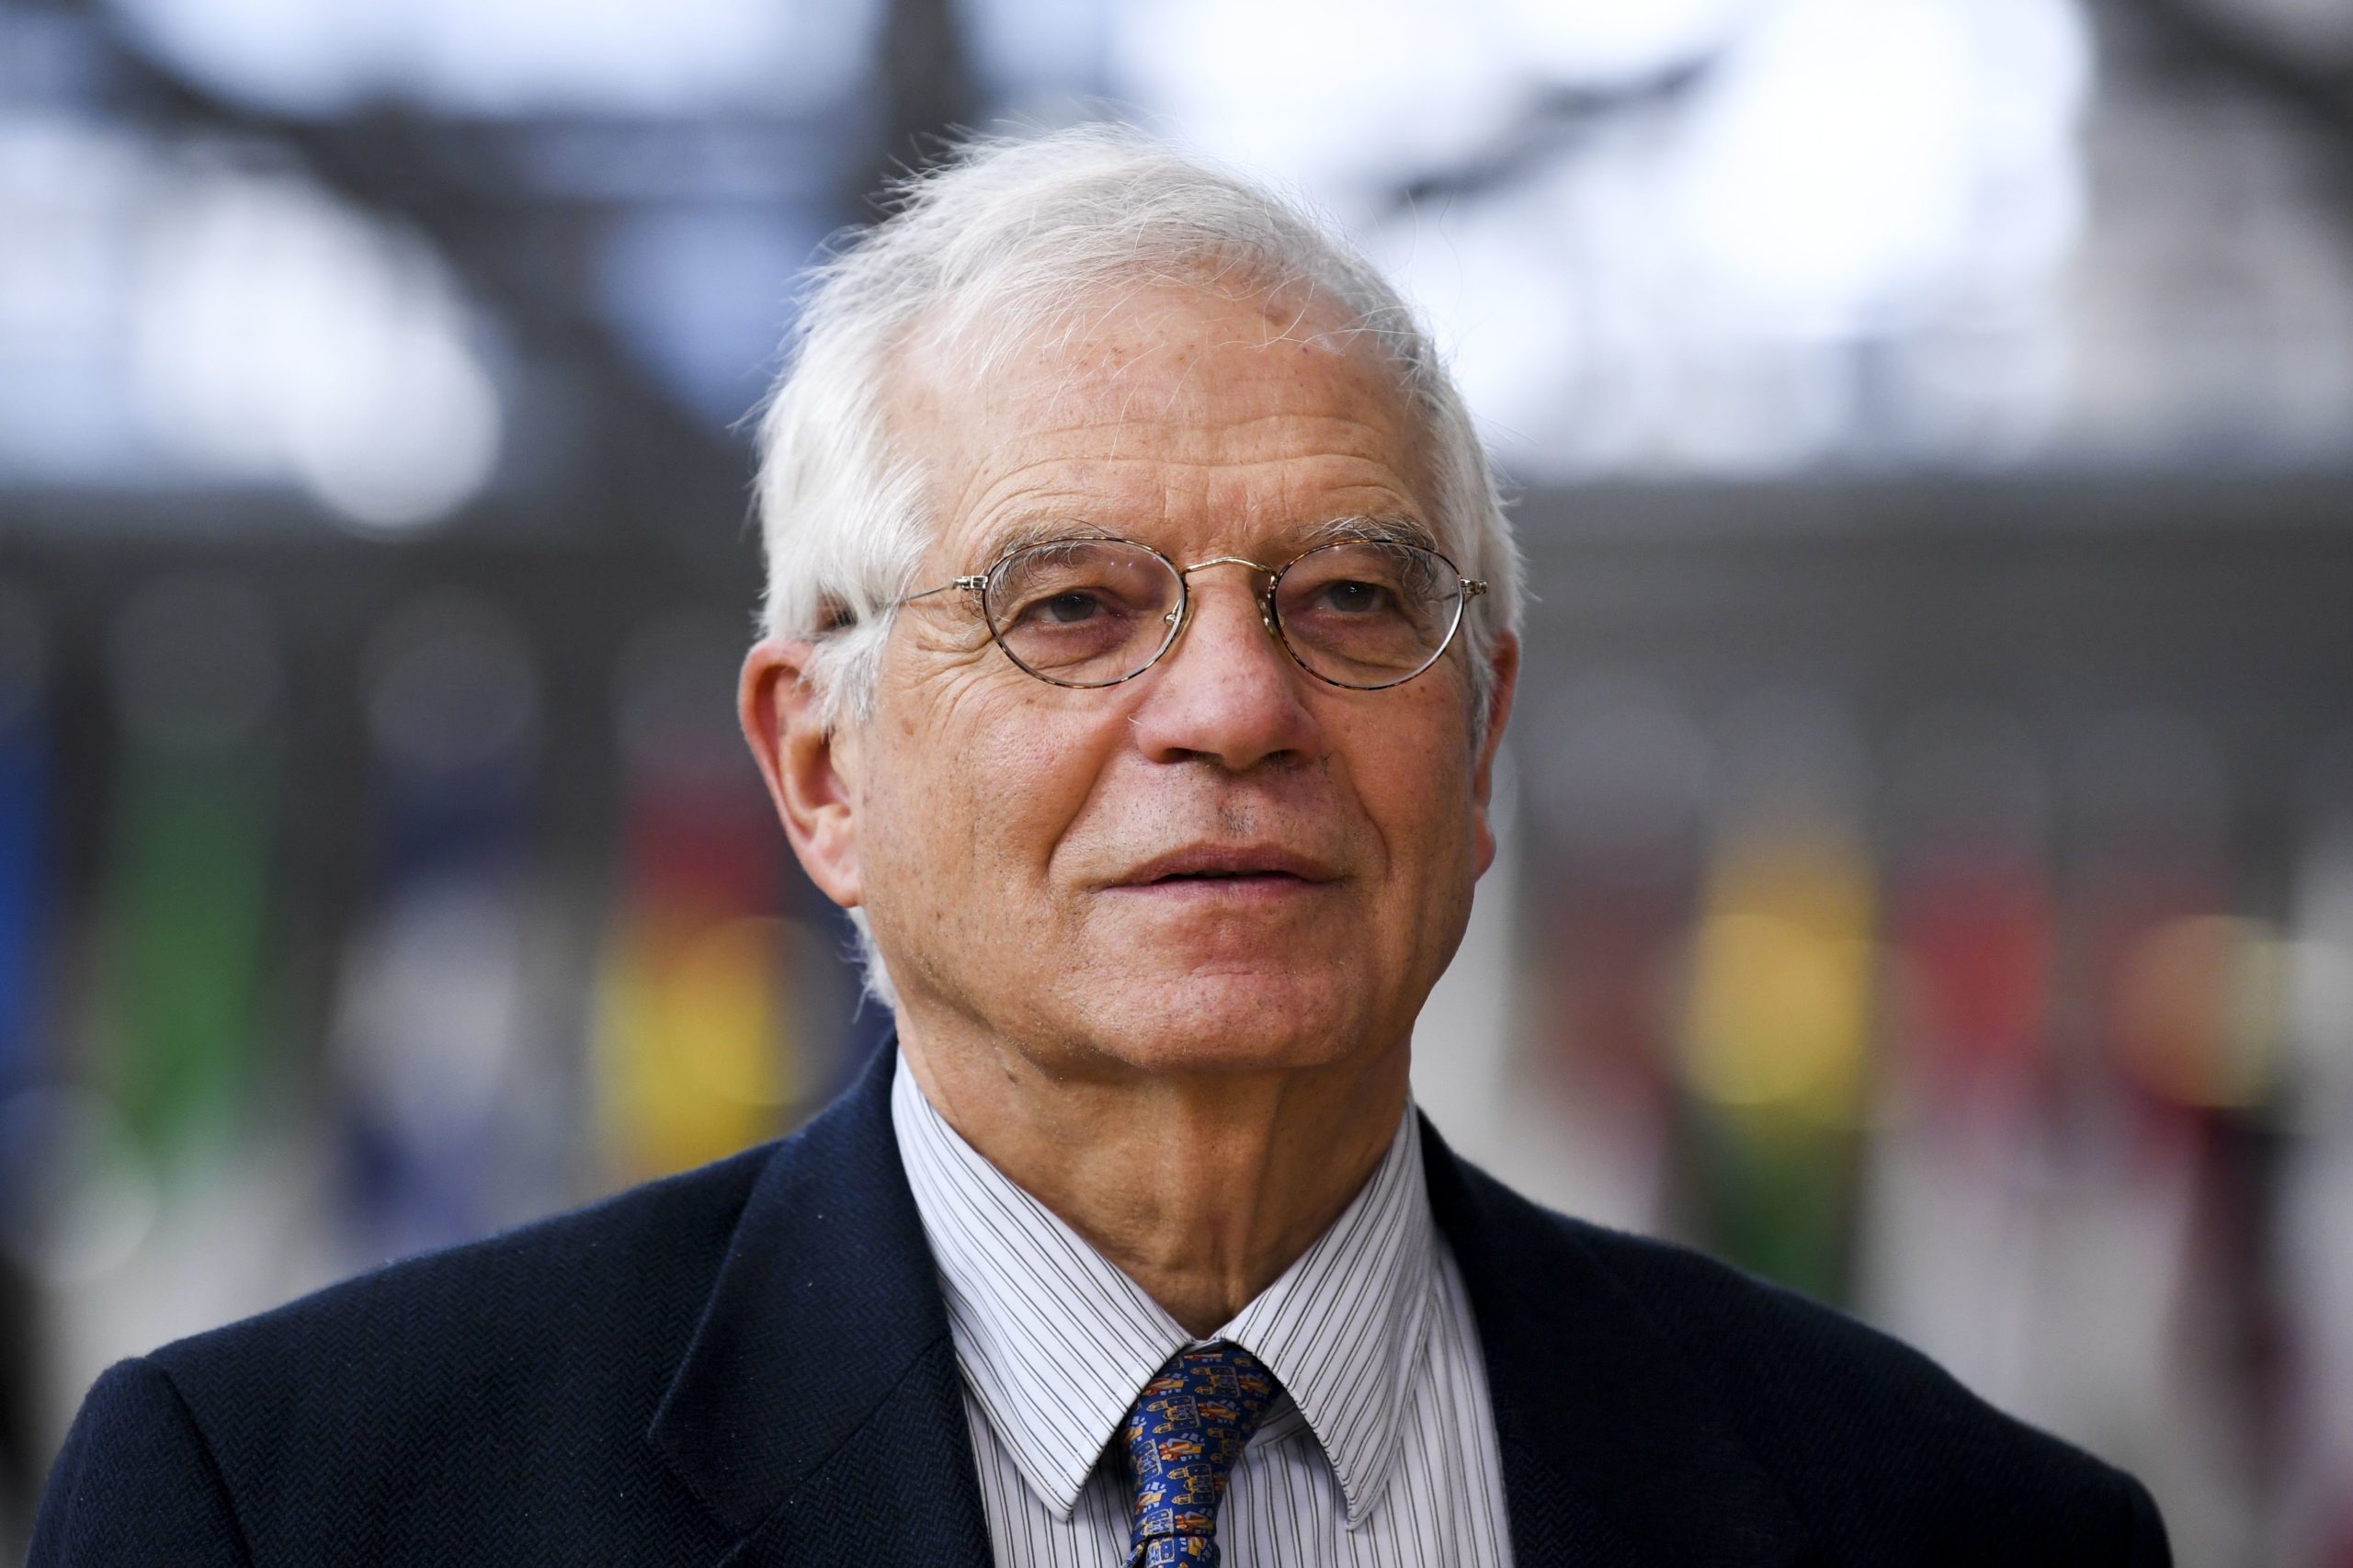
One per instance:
[(987, 252)]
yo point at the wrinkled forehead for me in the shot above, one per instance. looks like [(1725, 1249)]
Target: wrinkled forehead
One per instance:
[(1183, 371), (996, 321)]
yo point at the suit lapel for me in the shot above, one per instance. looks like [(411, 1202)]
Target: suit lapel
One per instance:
[(1613, 1449), (819, 1411)]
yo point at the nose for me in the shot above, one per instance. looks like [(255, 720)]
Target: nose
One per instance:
[(1227, 692)]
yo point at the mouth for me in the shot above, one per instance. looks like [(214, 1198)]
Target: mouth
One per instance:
[(1233, 869)]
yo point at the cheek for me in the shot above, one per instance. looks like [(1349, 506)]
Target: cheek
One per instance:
[(971, 810), (1422, 817), (1416, 786), (1024, 785)]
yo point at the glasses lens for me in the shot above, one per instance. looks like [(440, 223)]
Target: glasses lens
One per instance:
[(1367, 614), (1083, 611)]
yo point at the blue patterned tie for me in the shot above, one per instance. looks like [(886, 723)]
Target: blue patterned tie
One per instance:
[(1183, 1434)]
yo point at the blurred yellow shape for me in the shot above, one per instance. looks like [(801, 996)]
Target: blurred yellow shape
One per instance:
[(1781, 991), (693, 1057)]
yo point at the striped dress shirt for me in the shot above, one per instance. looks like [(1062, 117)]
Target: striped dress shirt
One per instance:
[(1381, 1451)]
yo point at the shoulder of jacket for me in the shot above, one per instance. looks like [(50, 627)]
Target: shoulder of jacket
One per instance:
[(656, 1244), (1842, 1411)]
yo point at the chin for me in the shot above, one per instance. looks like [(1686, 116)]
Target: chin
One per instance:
[(1250, 1021)]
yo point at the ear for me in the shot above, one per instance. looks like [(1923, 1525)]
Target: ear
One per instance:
[(1504, 660), (811, 771)]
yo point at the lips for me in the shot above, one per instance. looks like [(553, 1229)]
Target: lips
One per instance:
[(1214, 863)]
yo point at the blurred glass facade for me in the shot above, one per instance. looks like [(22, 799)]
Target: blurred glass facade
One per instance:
[(1929, 854)]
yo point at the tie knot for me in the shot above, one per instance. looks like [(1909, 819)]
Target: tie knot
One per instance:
[(1182, 1437)]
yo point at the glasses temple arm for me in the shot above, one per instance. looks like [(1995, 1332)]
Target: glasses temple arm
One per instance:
[(969, 584)]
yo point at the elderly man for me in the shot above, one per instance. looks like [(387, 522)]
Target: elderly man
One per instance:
[(1140, 635)]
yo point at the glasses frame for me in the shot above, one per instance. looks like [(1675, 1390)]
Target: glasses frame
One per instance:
[(977, 584)]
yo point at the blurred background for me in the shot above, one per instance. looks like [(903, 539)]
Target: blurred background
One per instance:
[(1929, 871)]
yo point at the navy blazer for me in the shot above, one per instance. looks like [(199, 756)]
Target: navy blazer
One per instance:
[(750, 1364)]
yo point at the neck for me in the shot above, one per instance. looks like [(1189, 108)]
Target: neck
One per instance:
[(1202, 1187)]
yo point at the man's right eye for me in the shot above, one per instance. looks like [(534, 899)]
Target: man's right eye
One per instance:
[(1072, 606)]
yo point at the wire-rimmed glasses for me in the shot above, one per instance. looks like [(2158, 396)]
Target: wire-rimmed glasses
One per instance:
[(1087, 611)]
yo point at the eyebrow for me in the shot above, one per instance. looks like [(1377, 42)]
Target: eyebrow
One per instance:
[(1375, 529), (1381, 528), (1038, 531)]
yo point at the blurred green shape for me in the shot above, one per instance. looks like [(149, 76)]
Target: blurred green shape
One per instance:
[(182, 937)]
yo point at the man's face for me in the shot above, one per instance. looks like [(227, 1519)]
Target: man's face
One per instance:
[(1013, 837)]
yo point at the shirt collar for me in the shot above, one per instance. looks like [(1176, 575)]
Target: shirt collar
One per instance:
[(1343, 1324), (1054, 1340)]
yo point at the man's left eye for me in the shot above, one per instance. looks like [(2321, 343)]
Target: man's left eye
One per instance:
[(1354, 598)]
